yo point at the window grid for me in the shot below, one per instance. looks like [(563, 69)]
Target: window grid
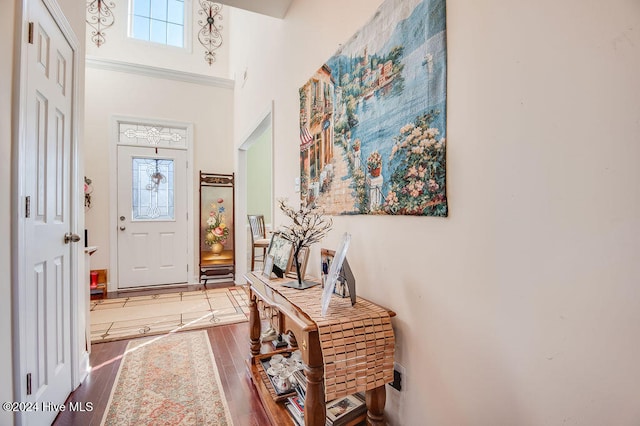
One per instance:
[(159, 21)]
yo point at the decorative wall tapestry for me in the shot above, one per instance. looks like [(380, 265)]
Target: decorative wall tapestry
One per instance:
[(373, 117)]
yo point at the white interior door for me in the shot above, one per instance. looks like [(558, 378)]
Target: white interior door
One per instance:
[(46, 294), (152, 216)]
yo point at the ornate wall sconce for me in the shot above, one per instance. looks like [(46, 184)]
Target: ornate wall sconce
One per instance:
[(99, 18), (209, 35)]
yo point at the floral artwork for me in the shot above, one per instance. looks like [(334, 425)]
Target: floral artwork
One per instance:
[(217, 229), (373, 117), (88, 190)]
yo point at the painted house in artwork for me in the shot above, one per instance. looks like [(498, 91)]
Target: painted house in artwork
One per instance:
[(316, 133)]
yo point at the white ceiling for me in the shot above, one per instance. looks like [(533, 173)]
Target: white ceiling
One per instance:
[(275, 8)]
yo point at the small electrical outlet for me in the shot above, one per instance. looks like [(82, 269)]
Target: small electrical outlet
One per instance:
[(398, 372)]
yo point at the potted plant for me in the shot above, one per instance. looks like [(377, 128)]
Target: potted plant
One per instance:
[(356, 145), (374, 163), (309, 226)]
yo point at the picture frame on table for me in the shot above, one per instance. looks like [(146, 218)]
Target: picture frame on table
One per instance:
[(326, 257), (267, 270), (335, 270), (280, 249), (303, 258)]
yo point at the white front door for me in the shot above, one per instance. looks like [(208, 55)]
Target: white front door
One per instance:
[(152, 216), (46, 292)]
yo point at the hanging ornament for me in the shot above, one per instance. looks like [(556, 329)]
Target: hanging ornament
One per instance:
[(209, 35)]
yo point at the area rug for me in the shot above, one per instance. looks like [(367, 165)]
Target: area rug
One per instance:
[(168, 380), (128, 317)]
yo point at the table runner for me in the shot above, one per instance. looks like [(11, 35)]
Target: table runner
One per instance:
[(357, 341)]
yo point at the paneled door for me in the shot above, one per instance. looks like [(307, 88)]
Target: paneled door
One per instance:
[(46, 290), (152, 216)]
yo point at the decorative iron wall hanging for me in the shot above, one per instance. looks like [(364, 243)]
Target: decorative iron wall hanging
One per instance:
[(99, 18), (373, 117), (209, 35)]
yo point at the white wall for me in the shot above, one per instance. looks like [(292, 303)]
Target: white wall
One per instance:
[(110, 93), (119, 47), (522, 307)]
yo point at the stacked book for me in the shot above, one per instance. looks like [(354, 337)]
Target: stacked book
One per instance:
[(295, 406), (340, 411), (343, 410), (300, 383)]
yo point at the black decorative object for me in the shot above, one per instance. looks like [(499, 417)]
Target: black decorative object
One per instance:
[(99, 18), (209, 35)]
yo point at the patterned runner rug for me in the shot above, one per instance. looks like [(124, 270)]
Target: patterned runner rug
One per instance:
[(129, 317), (168, 380)]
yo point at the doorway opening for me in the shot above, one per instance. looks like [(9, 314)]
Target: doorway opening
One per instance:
[(255, 182)]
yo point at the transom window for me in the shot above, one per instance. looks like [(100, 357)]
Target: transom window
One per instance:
[(158, 21)]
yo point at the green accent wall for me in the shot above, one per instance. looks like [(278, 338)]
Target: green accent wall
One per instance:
[(259, 176)]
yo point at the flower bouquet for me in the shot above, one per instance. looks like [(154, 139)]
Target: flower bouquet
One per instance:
[(374, 163), (217, 230)]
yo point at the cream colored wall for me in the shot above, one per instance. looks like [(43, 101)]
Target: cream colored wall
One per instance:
[(259, 172), (11, 25), (111, 93), (119, 47), (521, 307)]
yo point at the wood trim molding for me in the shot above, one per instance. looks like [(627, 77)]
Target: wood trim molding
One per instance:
[(146, 70)]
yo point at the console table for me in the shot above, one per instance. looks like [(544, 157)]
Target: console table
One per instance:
[(355, 345)]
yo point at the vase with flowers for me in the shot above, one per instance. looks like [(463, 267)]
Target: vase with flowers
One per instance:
[(374, 163), (217, 230), (309, 226)]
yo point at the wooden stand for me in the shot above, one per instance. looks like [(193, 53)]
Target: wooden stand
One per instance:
[(305, 331), (218, 190)]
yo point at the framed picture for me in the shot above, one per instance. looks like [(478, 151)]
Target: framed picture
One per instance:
[(268, 266), (334, 271), (326, 257), (303, 258), (280, 249), (346, 407)]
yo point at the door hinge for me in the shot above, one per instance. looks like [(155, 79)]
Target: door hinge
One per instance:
[(30, 33), (28, 383), (187, 267), (27, 206)]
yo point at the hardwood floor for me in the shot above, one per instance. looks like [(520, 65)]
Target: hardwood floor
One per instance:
[(230, 345)]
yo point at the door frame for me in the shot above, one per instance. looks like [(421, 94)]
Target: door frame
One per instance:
[(264, 122), (113, 193), (78, 293)]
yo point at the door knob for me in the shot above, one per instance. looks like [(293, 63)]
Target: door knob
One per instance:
[(122, 228), (71, 238)]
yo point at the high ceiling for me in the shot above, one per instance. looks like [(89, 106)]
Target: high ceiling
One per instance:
[(275, 8)]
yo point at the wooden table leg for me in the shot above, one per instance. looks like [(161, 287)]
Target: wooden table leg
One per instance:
[(254, 325), (315, 411), (376, 398)]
